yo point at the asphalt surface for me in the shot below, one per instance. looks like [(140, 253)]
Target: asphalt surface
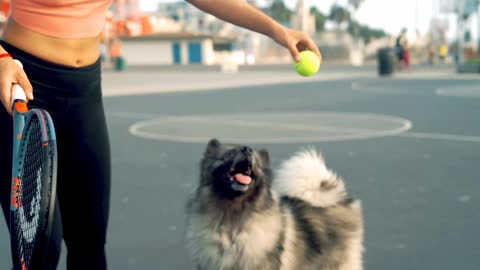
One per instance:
[(419, 185)]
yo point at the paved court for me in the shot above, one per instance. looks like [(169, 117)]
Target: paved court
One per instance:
[(407, 146)]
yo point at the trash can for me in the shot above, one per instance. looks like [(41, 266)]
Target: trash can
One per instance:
[(385, 61), (120, 63)]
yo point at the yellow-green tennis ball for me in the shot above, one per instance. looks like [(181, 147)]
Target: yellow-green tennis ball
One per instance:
[(308, 65)]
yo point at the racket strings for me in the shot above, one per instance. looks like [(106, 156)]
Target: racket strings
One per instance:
[(29, 212)]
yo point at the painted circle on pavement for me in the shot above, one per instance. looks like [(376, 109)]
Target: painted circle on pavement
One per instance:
[(281, 127)]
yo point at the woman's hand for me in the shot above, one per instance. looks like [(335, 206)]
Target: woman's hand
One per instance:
[(10, 73), (295, 42)]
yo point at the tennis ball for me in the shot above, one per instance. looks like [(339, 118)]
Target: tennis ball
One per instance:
[(308, 65)]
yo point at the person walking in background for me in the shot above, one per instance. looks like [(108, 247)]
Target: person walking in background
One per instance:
[(401, 50), (406, 55), (115, 49), (443, 53), (430, 48), (398, 46)]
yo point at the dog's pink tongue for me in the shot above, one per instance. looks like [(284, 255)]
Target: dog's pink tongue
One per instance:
[(243, 179)]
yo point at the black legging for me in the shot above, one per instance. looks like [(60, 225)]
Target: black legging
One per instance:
[(73, 98)]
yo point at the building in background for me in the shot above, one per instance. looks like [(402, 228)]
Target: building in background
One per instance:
[(178, 33), (302, 19), (178, 48), (465, 46)]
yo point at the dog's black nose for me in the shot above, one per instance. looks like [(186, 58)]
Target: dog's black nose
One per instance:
[(247, 150)]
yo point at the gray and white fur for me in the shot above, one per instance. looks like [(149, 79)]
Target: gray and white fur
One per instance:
[(300, 219)]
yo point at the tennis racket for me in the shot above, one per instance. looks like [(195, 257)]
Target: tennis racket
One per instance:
[(34, 173)]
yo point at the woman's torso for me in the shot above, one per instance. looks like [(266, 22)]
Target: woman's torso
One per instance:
[(67, 37)]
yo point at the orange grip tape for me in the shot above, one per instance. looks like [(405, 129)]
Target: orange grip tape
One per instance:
[(21, 107)]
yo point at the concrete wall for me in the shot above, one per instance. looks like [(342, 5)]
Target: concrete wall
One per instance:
[(160, 52), (147, 52), (208, 53), (184, 52)]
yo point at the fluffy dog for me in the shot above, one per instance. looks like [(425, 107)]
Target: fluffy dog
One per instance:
[(242, 217)]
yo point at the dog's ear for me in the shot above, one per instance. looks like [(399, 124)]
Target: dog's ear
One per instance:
[(213, 147), (265, 157)]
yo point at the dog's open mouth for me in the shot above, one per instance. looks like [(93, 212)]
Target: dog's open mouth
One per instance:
[(241, 175)]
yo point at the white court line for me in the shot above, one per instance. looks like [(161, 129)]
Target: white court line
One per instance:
[(134, 115), (220, 120), (264, 140), (461, 91), (439, 136), (470, 90), (390, 90), (150, 119), (355, 133)]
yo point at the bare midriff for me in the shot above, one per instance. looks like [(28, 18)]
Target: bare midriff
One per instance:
[(74, 52)]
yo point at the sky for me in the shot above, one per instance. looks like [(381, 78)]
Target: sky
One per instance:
[(390, 15)]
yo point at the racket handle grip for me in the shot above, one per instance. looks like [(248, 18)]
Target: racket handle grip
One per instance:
[(18, 62), (17, 91)]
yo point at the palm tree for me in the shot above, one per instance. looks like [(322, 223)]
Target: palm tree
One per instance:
[(279, 11), (339, 15)]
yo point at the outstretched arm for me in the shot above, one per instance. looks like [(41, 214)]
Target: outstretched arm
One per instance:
[(240, 13)]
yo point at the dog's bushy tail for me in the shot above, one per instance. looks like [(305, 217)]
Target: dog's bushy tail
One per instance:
[(306, 177)]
